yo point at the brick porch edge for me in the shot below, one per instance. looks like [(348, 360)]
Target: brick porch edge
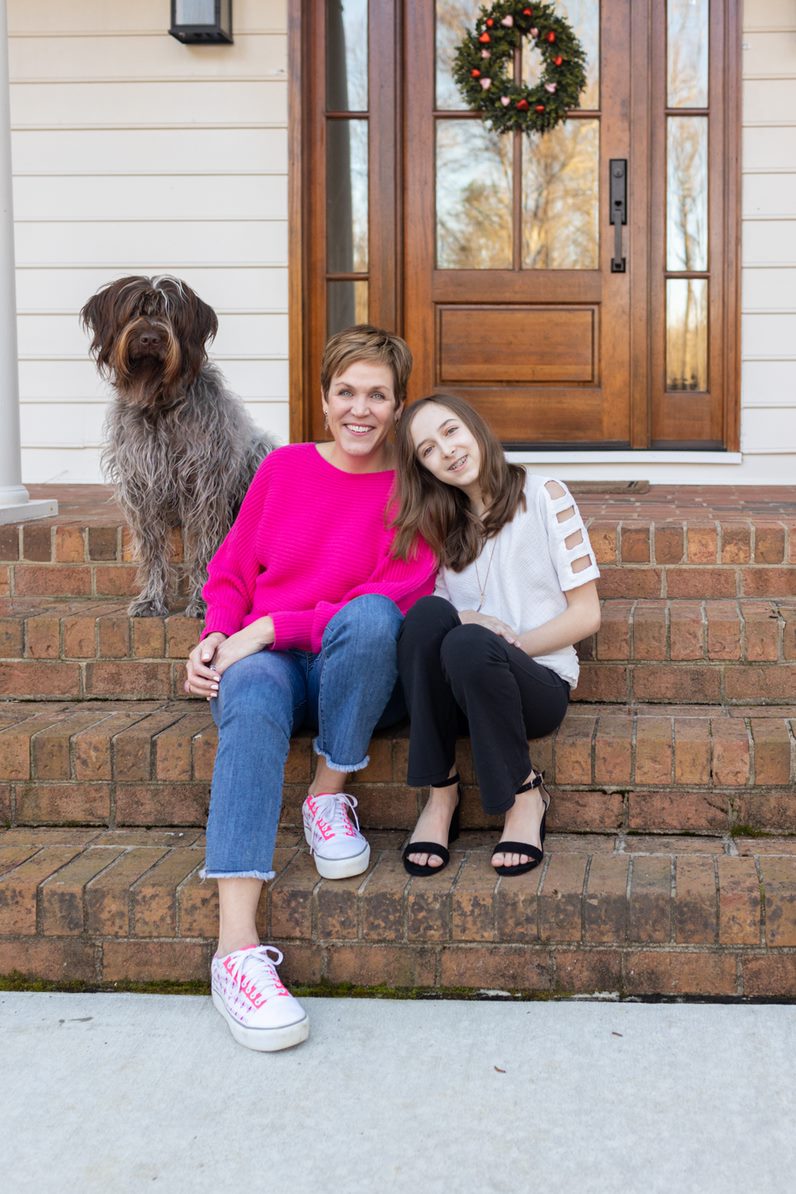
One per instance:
[(629, 914)]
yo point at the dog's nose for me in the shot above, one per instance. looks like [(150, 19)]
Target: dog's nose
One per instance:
[(149, 339)]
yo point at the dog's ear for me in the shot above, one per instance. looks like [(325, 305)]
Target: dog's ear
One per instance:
[(194, 323), (97, 318), (205, 321)]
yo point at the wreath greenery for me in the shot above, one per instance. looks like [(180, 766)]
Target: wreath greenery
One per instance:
[(484, 59)]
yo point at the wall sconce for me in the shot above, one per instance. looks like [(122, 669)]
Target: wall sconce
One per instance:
[(201, 22)]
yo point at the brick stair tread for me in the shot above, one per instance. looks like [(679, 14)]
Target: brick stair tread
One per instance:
[(658, 768), (636, 914)]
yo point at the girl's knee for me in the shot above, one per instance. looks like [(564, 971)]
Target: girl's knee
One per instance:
[(429, 616), (467, 648)]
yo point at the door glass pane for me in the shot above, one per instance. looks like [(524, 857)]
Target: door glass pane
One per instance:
[(346, 304), (453, 18), (560, 197), (347, 55), (687, 44), (687, 193), (584, 17), (687, 334), (474, 175), (347, 196)]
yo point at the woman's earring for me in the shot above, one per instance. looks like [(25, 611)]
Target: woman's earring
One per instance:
[(326, 418)]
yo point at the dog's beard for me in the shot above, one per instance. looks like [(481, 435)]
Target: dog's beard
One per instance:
[(148, 378)]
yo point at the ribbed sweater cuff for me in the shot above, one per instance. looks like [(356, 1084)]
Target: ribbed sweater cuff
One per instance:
[(220, 621), (293, 629)]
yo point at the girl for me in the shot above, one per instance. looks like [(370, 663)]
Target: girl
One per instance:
[(492, 650)]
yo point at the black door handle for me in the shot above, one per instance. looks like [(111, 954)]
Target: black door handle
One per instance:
[(617, 193)]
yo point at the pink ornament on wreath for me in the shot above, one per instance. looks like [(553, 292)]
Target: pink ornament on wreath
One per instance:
[(534, 32), (485, 83), (508, 21), (551, 87), (485, 54), (505, 100)]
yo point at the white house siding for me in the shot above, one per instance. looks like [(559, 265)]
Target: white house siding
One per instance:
[(133, 153)]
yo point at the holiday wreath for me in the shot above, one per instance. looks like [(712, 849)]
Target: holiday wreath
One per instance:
[(485, 57)]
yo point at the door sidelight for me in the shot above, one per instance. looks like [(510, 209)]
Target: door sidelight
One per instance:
[(618, 212)]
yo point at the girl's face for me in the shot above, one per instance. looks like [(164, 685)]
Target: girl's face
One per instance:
[(446, 446), (361, 409)]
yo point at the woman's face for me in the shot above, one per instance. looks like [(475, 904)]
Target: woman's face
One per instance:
[(446, 446), (360, 409)]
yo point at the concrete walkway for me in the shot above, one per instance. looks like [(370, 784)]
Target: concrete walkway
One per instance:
[(125, 1093)]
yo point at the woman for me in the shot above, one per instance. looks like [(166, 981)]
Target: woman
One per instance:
[(304, 604), (491, 652)]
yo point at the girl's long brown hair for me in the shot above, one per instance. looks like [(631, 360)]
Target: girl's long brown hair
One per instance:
[(441, 514)]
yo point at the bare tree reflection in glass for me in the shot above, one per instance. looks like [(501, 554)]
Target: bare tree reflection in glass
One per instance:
[(560, 197)]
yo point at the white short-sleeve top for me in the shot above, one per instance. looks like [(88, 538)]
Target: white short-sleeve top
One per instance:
[(525, 580)]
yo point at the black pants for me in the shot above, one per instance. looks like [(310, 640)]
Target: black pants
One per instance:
[(464, 678)]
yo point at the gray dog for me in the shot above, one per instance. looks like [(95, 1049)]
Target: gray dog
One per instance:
[(181, 450)]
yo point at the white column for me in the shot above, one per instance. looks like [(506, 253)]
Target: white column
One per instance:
[(15, 503)]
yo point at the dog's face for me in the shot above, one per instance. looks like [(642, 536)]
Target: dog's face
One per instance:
[(149, 336)]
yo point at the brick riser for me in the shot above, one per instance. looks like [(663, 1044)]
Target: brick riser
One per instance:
[(651, 769), (710, 652), (635, 916)]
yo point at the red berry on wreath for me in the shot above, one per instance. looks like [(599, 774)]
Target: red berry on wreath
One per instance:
[(540, 108), (558, 60), (522, 105), (485, 38), (475, 72), (527, 12), (489, 22), (551, 37)]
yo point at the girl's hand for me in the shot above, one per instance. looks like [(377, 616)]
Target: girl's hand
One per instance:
[(471, 616), (249, 641), (202, 676)]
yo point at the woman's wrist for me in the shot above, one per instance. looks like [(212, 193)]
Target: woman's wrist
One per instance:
[(262, 631)]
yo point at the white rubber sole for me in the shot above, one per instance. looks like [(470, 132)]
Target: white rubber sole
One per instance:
[(264, 1040), (342, 868)]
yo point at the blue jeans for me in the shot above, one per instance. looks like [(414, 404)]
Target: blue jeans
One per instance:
[(345, 691)]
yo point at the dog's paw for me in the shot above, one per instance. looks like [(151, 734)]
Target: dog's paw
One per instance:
[(147, 607), (195, 609)]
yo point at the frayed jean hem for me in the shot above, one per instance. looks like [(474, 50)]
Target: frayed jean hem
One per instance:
[(264, 875), (360, 766)]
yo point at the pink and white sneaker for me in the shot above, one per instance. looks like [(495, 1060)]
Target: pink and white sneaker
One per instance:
[(335, 841), (259, 1010)]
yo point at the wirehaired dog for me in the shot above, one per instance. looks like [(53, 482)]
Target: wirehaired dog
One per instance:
[(181, 450)]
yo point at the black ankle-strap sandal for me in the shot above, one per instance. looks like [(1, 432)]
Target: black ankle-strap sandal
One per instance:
[(535, 856), (435, 848)]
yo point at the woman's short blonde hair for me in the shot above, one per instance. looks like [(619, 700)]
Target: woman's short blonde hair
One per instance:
[(366, 343)]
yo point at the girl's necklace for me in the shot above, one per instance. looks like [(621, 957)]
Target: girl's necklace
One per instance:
[(482, 587)]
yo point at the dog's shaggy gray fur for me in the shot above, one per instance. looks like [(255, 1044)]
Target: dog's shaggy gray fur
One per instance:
[(181, 449)]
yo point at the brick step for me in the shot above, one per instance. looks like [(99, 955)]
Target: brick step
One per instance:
[(740, 651), (675, 541), (631, 915), (653, 769), (92, 650)]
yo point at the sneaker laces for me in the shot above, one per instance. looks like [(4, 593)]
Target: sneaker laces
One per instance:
[(255, 973), (339, 812)]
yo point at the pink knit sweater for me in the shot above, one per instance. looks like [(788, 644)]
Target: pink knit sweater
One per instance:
[(309, 538)]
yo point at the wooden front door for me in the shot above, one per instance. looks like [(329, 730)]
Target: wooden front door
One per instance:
[(510, 298), (495, 255)]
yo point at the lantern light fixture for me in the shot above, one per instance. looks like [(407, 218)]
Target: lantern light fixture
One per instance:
[(202, 22)]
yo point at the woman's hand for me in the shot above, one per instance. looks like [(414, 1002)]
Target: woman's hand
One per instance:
[(209, 659), (253, 638), (202, 677), (472, 617)]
